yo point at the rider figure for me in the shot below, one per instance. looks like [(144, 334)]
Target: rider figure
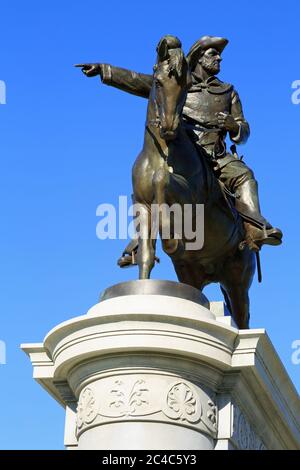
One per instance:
[(212, 109)]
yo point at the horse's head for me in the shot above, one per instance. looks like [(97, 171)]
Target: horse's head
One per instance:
[(171, 82)]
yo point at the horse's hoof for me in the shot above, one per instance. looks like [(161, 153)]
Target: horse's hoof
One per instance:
[(126, 261)]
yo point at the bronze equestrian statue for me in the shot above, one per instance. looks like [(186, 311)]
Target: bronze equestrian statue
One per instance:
[(189, 114)]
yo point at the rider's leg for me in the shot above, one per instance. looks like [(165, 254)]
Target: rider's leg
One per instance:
[(240, 180)]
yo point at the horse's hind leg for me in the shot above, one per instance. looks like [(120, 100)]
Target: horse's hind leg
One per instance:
[(239, 272), (238, 300), (163, 200)]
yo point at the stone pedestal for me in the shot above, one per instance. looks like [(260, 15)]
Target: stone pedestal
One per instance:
[(154, 365)]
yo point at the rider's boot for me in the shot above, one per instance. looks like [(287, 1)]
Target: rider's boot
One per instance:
[(258, 231)]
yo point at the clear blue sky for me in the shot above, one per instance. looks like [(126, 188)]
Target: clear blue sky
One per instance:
[(67, 144)]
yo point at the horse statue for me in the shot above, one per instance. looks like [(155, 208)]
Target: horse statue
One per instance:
[(171, 170)]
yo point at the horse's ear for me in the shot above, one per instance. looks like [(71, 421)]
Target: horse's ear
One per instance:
[(163, 50)]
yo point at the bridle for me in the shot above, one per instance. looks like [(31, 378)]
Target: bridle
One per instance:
[(156, 122)]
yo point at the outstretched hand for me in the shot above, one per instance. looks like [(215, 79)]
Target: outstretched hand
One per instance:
[(90, 70)]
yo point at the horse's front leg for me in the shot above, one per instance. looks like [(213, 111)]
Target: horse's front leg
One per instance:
[(161, 185), (146, 248)]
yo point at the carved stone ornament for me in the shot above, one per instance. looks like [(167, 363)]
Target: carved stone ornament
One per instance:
[(86, 409), (128, 404), (212, 414), (182, 403), (243, 434), (147, 397)]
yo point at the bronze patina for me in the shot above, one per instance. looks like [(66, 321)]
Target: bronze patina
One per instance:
[(184, 160)]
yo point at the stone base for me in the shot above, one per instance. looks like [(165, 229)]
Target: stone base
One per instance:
[(154, 365)]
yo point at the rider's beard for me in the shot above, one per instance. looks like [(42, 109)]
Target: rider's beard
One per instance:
[(211, 67)]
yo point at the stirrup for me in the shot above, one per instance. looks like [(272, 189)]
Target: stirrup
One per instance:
[(272, 236)]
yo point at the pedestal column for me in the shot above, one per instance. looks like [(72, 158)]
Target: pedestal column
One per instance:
[(153, 365)]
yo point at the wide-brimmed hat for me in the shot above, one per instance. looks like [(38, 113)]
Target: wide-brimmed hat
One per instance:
[(204, 43)]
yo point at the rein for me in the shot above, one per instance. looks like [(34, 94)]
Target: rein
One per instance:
[(156, 123), (157, 144)]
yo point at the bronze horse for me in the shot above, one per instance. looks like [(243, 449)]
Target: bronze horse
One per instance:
[(171, 170)]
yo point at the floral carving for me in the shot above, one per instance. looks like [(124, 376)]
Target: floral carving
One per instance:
[(182, 403), (127, 403), (131, 397), (86, 409), (212, 413), (243, 434)]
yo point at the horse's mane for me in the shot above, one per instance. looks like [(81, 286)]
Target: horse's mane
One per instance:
[(176, 63), (174, 55)]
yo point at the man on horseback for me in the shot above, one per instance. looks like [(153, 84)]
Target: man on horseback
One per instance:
[(211, 111)]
